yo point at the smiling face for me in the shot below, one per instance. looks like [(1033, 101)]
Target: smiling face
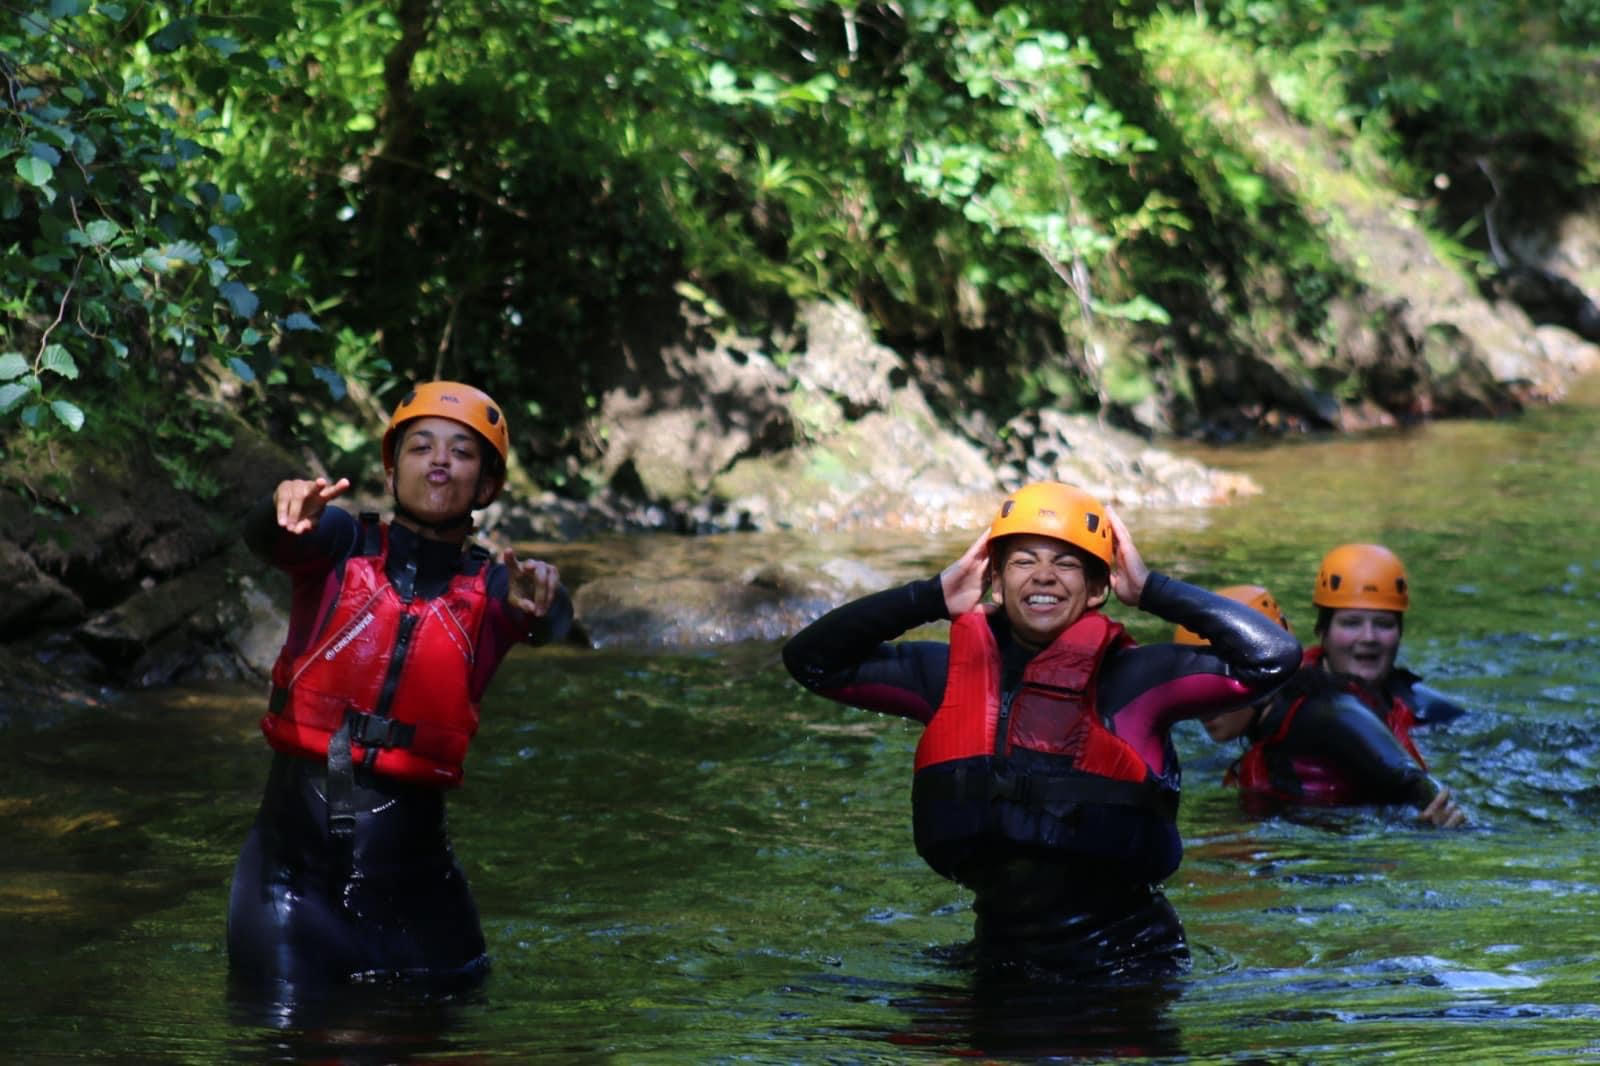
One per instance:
[(438, 471), (1362, 643), (1045, 585)]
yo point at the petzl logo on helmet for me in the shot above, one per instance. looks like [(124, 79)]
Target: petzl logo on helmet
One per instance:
[(1045, 512)]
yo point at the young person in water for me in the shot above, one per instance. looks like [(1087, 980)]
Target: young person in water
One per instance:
[(1046, 780), (394, 632), (1340, 732)]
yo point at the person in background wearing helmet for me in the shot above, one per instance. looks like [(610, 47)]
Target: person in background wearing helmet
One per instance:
[(1340, 732), (1046, 780), (1229, 725), (395, 629)]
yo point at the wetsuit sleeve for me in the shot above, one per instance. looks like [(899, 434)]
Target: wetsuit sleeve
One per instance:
[(1430, 706), (1248, 645), (851, 655), (336, 536), (1338, 728), (1143, 691)]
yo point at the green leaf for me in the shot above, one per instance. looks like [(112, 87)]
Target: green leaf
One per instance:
[(240, 298), (181, 252), (32, 415), (114, 12), (12, 365), (242, 369), (11, 395), (69, 414), (58, 360), (332, 379), (171, 37), (301, 320), (35, 171), (101, 231)]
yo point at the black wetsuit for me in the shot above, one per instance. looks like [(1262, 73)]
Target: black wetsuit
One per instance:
[(388, 902), (1051, 905), (1324, 740)]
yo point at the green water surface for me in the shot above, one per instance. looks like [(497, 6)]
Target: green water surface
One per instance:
[(685, 858)]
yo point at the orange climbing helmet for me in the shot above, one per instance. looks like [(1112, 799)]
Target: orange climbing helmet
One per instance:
[(1055, 510), (449, 399), (1362, 575), (1250, 595)]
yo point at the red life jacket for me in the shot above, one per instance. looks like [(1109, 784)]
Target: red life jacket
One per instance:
[(1319, 782), (1025, 767), (399, 671)]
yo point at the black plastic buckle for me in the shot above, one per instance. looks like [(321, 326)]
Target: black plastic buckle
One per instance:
[(375, 731)]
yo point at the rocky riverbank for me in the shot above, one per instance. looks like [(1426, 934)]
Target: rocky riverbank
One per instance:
[(119, 580)]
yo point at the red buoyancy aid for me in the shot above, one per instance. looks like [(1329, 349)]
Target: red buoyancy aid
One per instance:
[(399, 671), (1044, 747), (1319, 782)]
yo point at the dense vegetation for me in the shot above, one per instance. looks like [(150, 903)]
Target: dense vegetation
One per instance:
[(301, 207)]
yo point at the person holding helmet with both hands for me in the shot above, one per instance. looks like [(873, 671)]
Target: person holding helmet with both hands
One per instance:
[(395, 630), (1045, 779), (1340, 732)]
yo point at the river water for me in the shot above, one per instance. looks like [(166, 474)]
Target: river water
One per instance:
[(681, 857)]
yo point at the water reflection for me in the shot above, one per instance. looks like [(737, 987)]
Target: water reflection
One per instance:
[(1016, 1012), (351, 1025)]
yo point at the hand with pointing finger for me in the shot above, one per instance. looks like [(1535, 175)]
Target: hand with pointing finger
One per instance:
[(533, 584), (300, 503)]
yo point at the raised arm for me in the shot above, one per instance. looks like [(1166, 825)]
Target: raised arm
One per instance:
[(296, 525), (850, 654)]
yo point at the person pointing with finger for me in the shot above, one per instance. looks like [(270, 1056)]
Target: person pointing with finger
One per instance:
[(395, 630)]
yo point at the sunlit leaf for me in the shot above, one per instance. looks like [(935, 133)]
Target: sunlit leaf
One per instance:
[(34, 171), (12, 365), (11, 395), (69, 414), (58, 360), (102, 230), (243, 302), (332, 379)]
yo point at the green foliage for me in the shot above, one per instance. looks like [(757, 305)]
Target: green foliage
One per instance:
[(1439, 85), (529, 193), (119, 256)]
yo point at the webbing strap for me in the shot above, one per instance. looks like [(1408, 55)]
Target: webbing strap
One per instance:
[(1055, 794), (341, 785)]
